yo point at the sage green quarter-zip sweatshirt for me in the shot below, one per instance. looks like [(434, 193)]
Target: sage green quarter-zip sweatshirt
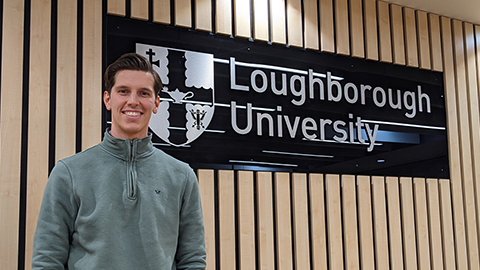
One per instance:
[(122, 204)]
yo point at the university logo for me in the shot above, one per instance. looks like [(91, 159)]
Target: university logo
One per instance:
[(188, 96)]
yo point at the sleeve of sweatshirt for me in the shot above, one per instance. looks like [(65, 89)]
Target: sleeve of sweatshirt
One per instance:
[(191, 253), (55, 222)]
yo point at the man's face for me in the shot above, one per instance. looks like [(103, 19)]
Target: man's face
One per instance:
[(131, 101)]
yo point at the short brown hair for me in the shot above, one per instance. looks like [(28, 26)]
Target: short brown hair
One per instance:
[(131, 61)]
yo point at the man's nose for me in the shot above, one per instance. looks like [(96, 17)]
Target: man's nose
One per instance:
[(133, 99)]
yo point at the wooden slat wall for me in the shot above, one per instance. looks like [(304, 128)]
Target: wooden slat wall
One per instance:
[(395, 237)]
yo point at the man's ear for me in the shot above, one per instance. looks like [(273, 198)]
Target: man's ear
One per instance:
[(106, 100), (157, 103)]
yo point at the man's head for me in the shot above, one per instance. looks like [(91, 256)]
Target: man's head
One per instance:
[(131, 61)]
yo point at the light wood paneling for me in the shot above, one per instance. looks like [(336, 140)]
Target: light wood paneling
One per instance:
[(435, 42), (408, 224), (356, 29), (398, 41), (435, 225), (116, 7), (464, 137), (260, 21), (223, 17), (311, 25), (242, 18), (448, 235), (380, 223), (206, 184), (65, 128), (265, 231), (327, 33), (384, 32), (92, 74), (300, 221), (161, 11), (283, 222), (342, 37), (294, 23), (139, 9), (226, 226), (365, 225), (246, 220), (317, 222), (203, 15), (277, 21), (334, 222), (38, 116), (421, 224), (410, 37), (371, 31), (453, 144), (394, 224), (11, 130), (350, 224), (423, 40), (183, 13)]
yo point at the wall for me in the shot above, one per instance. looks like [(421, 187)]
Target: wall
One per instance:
[(51, 53)]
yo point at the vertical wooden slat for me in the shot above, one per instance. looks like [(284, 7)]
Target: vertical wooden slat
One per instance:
[(447, 221), (266, 251), (300, 221), (327, 34), (334, 222), (277, 21), (65, 129), (408, 224), (453, 144), (226, 216), (476, 160), (435, 225), (317, 222), (206, 183), (465, 147), (203, 15), (11, 130), (246, 220), (384, 32), (223, 17), (116, 7), (423, 40), (283, 222), (421, 224), (410, 37), (183, 13), (394, 224), (350, 224), (398, 41), (365, 225), (380, 223), (371, 31), (92, 74), (139, 9), (161, 11), (242, 18), (260, 20), (435, 42), (311, 25), (294, 23), (356, 29), (342, 37), (38, 116)]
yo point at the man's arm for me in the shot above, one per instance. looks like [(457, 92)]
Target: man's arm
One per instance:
[(55, 222), (191, 253)]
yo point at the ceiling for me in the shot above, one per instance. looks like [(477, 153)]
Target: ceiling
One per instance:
[(464, 10)]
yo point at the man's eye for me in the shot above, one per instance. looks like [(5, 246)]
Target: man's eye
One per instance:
[(145, 94)]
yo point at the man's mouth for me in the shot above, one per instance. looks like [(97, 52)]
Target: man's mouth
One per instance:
[(132, 113)]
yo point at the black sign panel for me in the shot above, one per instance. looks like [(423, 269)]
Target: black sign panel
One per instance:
[(230, 103)]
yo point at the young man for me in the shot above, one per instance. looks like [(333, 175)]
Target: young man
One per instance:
[(122, 204)]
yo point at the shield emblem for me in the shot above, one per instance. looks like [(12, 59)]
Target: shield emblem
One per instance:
[(187, 101)]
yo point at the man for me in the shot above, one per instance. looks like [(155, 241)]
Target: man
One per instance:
[(122, 204)]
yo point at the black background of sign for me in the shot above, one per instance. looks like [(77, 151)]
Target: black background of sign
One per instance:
[(429, 158)]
